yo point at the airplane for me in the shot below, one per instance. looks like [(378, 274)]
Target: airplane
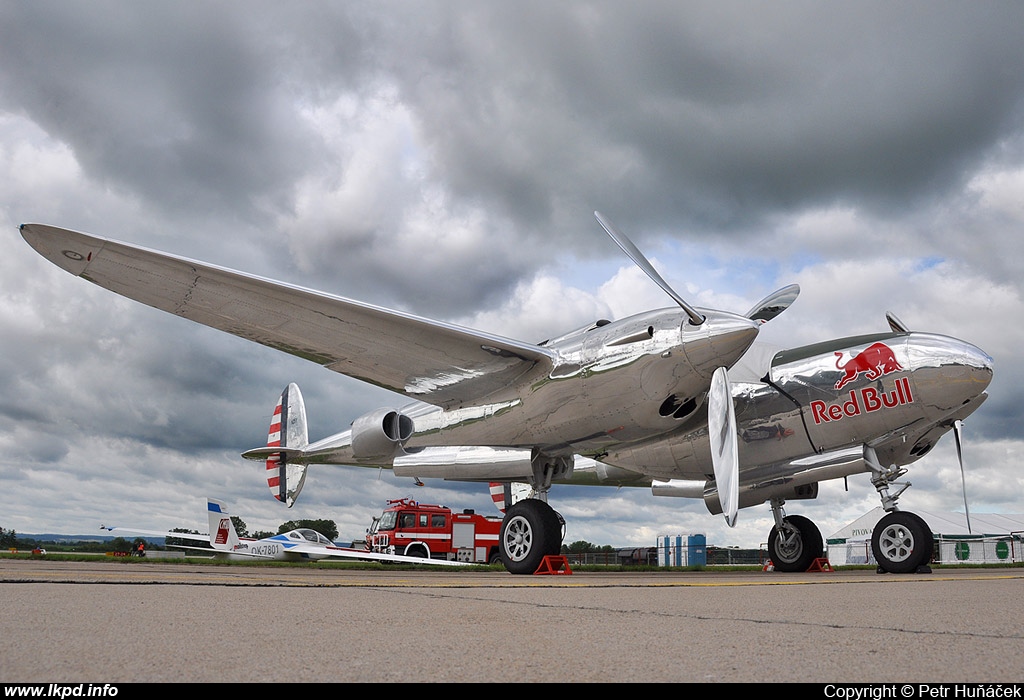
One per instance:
[(681, 400), (302, 544)]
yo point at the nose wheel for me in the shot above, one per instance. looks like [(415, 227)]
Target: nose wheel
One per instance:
[(902, 543)]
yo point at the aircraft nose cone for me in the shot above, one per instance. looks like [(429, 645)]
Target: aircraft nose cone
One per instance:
[(718, 342), (947, 372), (978, 364)]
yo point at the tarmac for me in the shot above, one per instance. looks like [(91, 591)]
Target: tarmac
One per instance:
[(147, 622)]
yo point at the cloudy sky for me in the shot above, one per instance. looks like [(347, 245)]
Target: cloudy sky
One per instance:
[(446, 158)]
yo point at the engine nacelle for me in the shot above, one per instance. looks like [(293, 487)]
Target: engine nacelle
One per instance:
[(380, 434), (750, 494), (755, 494)]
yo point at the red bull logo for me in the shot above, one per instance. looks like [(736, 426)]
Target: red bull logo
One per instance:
[(876, 360)]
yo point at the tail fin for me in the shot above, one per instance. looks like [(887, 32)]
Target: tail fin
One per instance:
[(287, 430), (505, 494), (222, 531)]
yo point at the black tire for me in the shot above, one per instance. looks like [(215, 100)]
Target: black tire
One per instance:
[(799, 552), (417, 550), (495, 557), (902, 542), (530, 531)]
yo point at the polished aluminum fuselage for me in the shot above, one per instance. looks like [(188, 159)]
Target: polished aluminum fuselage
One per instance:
[(797, 411), (793, 412)]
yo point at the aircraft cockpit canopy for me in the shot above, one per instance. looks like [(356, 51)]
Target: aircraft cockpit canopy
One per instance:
[(311, 535)]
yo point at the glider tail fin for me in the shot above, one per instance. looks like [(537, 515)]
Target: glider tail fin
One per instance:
[(287, 431), (223, 536)]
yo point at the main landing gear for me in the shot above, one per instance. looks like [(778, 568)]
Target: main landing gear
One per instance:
[(532, 529), (794, 543)]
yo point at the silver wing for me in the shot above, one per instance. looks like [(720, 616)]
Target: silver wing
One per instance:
[(436, 362)]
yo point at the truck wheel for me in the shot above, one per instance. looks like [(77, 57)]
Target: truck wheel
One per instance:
[(529, 532), (417, 550)]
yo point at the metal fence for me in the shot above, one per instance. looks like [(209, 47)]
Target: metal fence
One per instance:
[(651, 556), (1006, 549)]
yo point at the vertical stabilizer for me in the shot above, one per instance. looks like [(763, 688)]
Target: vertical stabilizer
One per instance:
[(222, 531), (287, 430), (505, 494)]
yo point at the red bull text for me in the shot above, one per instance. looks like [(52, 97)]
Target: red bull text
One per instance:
[(865, 400)]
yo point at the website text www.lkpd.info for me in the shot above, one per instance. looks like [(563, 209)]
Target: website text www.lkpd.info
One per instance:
[(61, 690)]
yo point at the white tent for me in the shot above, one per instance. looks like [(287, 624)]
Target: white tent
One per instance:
[(941, 524)]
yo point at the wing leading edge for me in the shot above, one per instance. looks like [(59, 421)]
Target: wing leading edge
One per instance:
[(436, 362)]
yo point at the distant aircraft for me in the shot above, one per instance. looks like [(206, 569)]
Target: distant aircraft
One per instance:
[(679, 400), (302, 544)]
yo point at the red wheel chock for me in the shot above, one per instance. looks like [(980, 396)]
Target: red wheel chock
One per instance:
[(552, 564), (820, 564)]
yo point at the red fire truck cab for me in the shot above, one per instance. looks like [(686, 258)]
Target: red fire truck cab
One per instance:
[(415, 529)]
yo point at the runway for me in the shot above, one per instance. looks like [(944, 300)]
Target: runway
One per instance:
[(117, 622)]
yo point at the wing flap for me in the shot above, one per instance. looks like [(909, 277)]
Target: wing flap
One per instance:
[(436, 362)]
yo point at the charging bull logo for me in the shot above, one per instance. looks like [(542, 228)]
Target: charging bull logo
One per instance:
[(876, 359)]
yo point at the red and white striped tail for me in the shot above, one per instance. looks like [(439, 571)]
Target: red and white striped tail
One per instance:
[(506, 494), (274, 461), (286, 471), (498, 495)]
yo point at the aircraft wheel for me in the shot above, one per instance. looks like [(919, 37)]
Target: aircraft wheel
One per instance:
[(799, 550), (529, 532), (902, 542)]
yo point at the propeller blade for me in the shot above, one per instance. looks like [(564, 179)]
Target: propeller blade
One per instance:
[(897, 325), (724, 450), (957, 427), (774, 304), (637, 257)]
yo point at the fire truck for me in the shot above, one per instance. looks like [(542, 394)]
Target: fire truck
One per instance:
[(415, 529)]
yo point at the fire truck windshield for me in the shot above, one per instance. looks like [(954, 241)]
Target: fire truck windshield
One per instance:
[(388, 520)]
